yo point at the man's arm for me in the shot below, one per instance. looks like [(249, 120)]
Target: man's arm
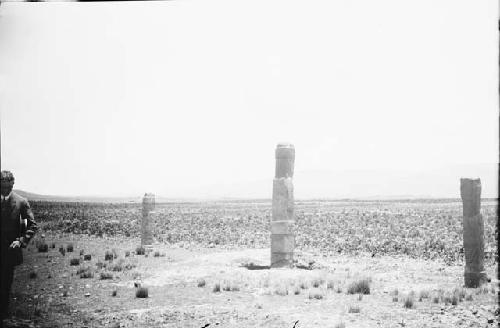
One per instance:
[(31, 225)]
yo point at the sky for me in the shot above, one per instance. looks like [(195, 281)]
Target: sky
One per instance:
[(184, 98)]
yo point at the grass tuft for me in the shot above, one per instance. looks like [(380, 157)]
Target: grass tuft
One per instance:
[(106, 275), (354, 309), (315, 294), (74, 261), (43, 248), (359, 287), (409, 303), (141, 292)]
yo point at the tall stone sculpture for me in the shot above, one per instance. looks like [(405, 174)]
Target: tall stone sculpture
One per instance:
[(148, 205), (473, 225), (283, 216)]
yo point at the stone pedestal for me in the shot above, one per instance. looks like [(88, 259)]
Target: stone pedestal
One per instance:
[(283, 216), (148, 205), (473, 225)]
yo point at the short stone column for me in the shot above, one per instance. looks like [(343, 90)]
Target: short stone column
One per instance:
[(148, 205), (283, 216), (473, 225)]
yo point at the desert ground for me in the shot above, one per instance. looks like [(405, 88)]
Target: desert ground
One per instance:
[(358, 264)]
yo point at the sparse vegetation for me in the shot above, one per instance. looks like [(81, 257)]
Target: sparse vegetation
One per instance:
[(87, 257), (74, 261), (216, 288)]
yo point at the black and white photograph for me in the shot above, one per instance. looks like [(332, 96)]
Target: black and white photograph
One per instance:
[(237, 163)]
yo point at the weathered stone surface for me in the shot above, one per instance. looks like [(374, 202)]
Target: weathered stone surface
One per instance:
[(283, 243), (279, 260), (282, 227), (283, 216), (283, 209), (148, 205), (285, 157), (473, 230)]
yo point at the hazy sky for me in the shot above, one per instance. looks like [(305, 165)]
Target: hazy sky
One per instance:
[(123, 98)]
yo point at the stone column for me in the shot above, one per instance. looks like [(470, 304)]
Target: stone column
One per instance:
[(473, 225), (148, 205), (283, 216)]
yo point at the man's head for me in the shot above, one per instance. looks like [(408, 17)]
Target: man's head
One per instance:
[(7, 182)]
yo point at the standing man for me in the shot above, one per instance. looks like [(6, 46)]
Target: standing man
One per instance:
[(16, 230)]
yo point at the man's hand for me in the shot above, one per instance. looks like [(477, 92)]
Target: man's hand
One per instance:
[(15, 244)]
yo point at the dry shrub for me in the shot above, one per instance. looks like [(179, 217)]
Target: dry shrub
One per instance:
[(354, 309), (43, 248), (141, 292), (216, 288), (140, 250), (424, 294), (108, 256), (33, 275), (74, 261), (156, 254), (359, 287), (118, 266), (330, 284), (69, 248), (409, 302), (106, 275), (87, 257), (339, 325), (281, 291), (85, 272), (315, 294), (201, 282)]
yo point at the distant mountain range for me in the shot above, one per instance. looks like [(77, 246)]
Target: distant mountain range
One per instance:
[(375, 184)]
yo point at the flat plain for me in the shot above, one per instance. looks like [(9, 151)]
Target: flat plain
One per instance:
[(358, 264)]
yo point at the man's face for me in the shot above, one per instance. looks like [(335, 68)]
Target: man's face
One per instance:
[(6, 187)]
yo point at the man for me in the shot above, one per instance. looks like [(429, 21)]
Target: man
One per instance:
[(16, 230)]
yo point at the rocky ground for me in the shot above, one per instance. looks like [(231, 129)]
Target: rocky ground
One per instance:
[(182, 284)]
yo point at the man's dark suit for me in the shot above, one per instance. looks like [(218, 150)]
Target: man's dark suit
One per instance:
[(17, 223)]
